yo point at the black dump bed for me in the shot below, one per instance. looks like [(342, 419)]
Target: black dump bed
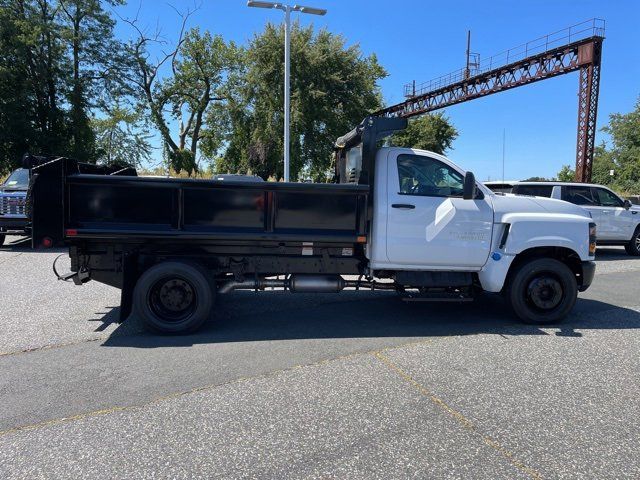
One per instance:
[(130, 208), (100, 206)]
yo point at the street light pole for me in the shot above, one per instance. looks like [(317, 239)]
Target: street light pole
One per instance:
[(287, 91), (287, 9)]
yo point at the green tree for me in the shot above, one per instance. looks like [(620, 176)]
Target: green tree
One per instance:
[(121, 137), (537, 179), (59, 65), (431, 132), (602, 165), (95, 61), (15, 99), (566, 174), (622, 156), (333, 87), (199, 64), (32, 80)]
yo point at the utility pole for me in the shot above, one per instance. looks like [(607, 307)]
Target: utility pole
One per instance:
[(504, 142)]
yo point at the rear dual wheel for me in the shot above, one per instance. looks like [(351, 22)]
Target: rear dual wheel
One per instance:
[(174, 297), (542, 291)]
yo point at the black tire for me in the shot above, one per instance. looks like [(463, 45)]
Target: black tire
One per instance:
[(2, 237), (542, 291), (173, 297), (633, 247)]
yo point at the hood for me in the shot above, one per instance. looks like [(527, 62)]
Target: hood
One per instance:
[(505, 204)]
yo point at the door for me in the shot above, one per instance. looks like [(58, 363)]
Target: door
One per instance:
[(582, 195), (428, 222), (617, 220)]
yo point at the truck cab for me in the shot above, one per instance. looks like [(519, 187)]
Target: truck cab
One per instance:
[(425, 223), (13, 195)]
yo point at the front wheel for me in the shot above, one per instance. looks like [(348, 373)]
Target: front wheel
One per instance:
[(2, 237), (173, 297), (633, 247), (542, 291)]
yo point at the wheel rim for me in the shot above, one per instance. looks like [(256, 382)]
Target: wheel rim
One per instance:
[(638, 242), (173, 299), (544, 292)]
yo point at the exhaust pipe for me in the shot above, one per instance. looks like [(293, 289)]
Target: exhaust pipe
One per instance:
[(259, 284), (316, 283), (305, 283)]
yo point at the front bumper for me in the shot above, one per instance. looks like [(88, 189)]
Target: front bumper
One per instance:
[(588, 272), (13, 223)]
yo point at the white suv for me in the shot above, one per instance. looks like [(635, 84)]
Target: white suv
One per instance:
[(617, 220)]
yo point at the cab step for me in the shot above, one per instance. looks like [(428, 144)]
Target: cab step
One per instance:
[(458, 296)]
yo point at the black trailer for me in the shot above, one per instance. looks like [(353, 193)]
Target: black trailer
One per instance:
[(171, 244)]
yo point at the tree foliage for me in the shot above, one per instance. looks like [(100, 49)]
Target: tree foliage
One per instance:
[(566, 174), (199, 64), (538, 179), (95, 62), (431, 132), (32, 81), (58, 61), (121, 137), (333, 87), (622, 155)]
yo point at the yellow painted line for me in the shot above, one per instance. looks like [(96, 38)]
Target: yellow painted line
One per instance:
[(49, 347), (459, 417), (105, 411), (114, 409)]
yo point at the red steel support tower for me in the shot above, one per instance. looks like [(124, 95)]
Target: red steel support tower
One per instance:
[(589, 56)]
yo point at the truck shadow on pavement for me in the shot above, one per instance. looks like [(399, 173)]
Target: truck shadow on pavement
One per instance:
[(247, 317)]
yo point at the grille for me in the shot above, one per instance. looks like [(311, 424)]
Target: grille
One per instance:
[(12, 205)]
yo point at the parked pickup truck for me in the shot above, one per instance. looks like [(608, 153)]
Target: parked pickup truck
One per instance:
[(397, 219), (13, 195), (617, 220)]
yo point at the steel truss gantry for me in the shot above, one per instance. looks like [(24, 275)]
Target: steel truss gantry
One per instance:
[(583, 55)]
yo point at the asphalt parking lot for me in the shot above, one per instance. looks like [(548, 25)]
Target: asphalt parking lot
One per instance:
[(354, 385)]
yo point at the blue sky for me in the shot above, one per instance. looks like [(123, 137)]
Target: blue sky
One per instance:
[(420, 40)]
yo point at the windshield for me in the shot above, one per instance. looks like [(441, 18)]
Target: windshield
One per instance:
[(18, 179)]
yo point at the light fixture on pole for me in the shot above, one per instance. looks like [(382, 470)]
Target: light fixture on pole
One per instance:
[(287, 9)]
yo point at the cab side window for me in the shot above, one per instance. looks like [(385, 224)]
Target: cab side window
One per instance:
[(605, 198), (578, 195), (426, 176)]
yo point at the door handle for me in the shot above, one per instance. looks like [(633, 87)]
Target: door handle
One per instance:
[(402, 205)]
